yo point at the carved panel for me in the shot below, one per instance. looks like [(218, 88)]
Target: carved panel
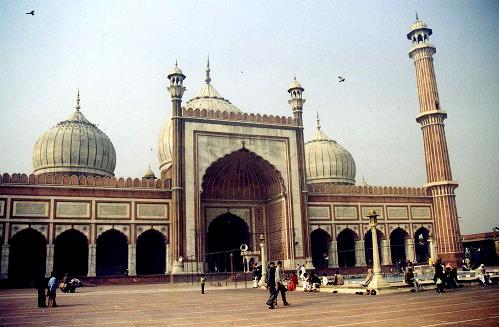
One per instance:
[(405, 227), (326, 228), (16, 228), (319, 213), (421, 213), (21, 208), (163, 229), (72, 209), (125, 229), (379, 210), (397, 213), (381, 227), (61, 228), (119, 210), (345, 213), (354, 228), (152, 211), (2, 207)]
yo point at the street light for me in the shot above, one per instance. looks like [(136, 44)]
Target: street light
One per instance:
[(378, 281)]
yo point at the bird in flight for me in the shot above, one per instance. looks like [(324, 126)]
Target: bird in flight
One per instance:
[(342, 79), (32, 13)]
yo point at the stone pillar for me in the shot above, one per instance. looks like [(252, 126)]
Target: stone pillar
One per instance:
[(91, 260), (132, 268), (263, 254), (409, 249), (167, 259), (360, 256), (333, 254), (49, 260), (4, 264), (386, 253), (432, 248)]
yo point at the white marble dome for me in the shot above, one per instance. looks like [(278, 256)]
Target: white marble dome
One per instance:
[(327, 161), (74, 146)]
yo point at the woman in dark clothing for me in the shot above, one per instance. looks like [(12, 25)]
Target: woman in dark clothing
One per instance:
[(41, 285), (439, 276)]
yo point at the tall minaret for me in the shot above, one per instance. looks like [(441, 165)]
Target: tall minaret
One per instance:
[(438, 170), (296, 101), (176, 90)]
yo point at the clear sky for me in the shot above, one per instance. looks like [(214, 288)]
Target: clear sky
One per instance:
[(118, 54)]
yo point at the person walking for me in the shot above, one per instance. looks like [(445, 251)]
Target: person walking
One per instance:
[(279, 279), (271, 286)]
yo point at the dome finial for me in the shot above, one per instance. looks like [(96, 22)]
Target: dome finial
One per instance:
[(417, 17), (318, 122), (208, 78), (78, 100)]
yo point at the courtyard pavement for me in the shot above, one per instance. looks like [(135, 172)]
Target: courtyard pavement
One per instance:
[(183, 305)]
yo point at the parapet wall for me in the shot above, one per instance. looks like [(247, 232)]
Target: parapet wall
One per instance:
[(239, 116), (331, 188), (85, 181)]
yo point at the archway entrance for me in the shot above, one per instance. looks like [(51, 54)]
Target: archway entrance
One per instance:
[(226, 233), (421, 244), (112, 253), (320, 241), (28, 252), (71, 253), (346, 248), (150, 253), (397, 245), (368, 246), (244, 177)]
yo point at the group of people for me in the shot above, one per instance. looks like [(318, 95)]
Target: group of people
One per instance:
[(275, 284)]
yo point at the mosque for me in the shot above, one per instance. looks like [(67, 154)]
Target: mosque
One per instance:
[(228, 178)]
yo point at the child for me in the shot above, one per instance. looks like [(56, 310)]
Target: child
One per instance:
[(203, 281)]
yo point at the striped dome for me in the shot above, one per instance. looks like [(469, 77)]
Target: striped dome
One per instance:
[(327, 161), (74, 146)]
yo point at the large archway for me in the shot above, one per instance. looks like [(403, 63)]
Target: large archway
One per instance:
[(397, 244), (150, 253), (112, 253), (244, 177), (368, 246), (346, 248), (226, 233), (28, 252), (71, 253), (422, 244), (320, 242)]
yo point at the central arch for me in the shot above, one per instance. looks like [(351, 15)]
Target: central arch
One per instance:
[(244, 179), (226, 233), (112, 253)]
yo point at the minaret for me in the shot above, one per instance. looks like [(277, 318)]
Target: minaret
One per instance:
[(176, 90), (438, 170), (296, 101)]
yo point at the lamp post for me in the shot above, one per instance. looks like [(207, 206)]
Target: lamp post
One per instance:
[(378, 281), (263, 257)]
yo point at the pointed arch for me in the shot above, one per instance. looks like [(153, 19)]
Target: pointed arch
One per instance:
[(346, 247), (242, 175)]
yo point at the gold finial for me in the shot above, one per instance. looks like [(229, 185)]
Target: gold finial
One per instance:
[(243, 142), (208, 78), (318, 122), (78, 101)]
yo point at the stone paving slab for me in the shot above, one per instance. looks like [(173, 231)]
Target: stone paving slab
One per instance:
[(163, 305)]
